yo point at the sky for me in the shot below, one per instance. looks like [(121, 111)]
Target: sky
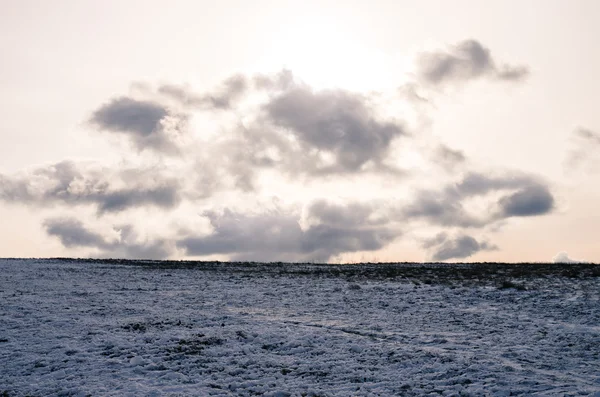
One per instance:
[(319, 131)]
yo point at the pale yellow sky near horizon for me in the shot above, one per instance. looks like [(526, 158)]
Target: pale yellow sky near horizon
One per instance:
[(62, 60)]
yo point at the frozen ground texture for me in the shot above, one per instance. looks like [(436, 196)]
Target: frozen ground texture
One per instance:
[(144, 328)]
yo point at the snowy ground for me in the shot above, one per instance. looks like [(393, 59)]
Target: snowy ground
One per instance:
[(101, 328)]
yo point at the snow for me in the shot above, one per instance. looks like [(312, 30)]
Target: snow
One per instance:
[(77, 328)]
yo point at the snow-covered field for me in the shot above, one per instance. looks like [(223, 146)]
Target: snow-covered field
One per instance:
[(102, 328)]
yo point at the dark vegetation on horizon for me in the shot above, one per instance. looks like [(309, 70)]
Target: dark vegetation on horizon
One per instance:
[(503, 275)]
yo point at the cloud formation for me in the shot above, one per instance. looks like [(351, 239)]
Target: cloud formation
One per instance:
[(443, 247), (289, 127), (331, 230), (467, 60), (108, 190), (585, 151), (529, 200), (147, 124), (447, 157), (73, 234), (521, 195), (224, 97), (338, 123), (277, 125)]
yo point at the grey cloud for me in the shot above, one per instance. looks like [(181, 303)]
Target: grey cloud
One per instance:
[(14, 190), (298, 131), (69, 183), (447, 157), (585, 151), (147, 124), (335, 122), (238, 234), (129, 115), (231, 90), (73, 234), (531, 198), (278, 235), (465, 61), (512, 73), (460, 247), (323, 241), (438, 239), (224, 97), (588, 136), (527, 196), (181, 94), (475, 183), (130, 246), (440, 208), (529, 201), (349, 215), (280, 81), (164, 196)]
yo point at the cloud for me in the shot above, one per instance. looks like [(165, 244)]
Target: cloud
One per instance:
[(231, 90), (73, 234), (290, 128), (278, 235), (443, 247), (277, 125), (336, 126), (109, 190), (224, 97), (563, 257), (475, 183), (440, 208), (528, 201), (149, 125), (467, 60), (588, 136), (282, 80), (447, 157), (338, 215), (585, 151), (520, 195)]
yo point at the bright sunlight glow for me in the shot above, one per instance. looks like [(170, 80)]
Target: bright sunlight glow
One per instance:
[(326, 55)]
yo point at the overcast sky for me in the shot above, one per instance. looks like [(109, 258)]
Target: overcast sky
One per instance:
[(300, 130)]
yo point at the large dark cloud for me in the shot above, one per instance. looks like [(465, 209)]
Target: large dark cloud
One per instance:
[(444, 247), (520, 195), (147, 124), (333, 229), (527, 201), (109, 190), (337, 123), (72, 233), (465, 61)]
